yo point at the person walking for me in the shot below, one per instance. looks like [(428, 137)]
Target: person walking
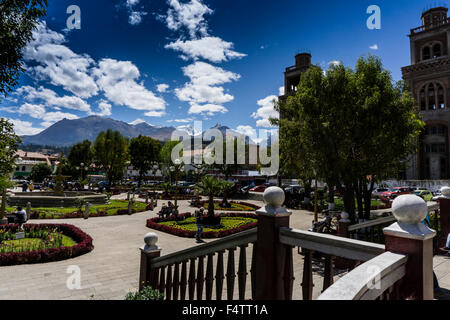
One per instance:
[(24, 186), (199, 222), (21, 216)]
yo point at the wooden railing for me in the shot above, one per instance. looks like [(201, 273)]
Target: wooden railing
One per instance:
[(378, 279), (164, 272), (330, 247)]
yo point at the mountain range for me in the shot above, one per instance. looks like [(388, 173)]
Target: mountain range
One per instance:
[(66, 132)]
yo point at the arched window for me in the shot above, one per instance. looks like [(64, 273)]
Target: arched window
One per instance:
[(23, 168), (441, 100), (431, 97), (437, 50), (422, 99), (426, 53)]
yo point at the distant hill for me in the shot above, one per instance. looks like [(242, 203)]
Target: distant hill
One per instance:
[(68, 132)]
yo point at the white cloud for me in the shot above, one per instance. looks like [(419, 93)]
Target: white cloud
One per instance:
[(189, 16), (189, 128), (59, 64), (246, 130), (39, 112), (135, 17), (162, 87), (374, 47), (156, 114), (25, 128), (51, 99), (118, 80), (335, 63), (187, 120), (208, 109), (104, 109), (203, 87), (210, 48), (265, 112)]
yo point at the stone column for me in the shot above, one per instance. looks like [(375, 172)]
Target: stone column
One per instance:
[(86, 210), (412, 237), (271, 256), (344, 223), (444, 202), (149, 251), (28, 210)]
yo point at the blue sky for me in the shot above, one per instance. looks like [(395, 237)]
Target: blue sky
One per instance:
[(169, 62)]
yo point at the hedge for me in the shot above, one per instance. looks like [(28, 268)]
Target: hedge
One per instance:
[(84, 245)]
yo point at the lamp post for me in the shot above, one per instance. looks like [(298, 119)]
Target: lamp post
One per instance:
[(178, 166)]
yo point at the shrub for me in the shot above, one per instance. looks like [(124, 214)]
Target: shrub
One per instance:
[(84, 245), (147, 293)]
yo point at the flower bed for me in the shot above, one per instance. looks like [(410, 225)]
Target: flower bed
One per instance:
[(117, 207), (235, 206), (83, 245), (181, 225)]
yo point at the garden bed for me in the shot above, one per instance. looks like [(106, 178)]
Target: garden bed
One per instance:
[(184, 225), (235, 206), (116, 207), (42, 243)]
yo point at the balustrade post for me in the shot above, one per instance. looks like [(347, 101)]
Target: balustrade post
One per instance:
[(411, 237), (149, 252), (444, 204), (344, 223), (271, 256)]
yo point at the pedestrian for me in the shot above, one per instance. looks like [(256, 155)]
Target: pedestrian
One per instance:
[(446, 249), (21, 215), (24, 186), (31, 187), (199, 222)]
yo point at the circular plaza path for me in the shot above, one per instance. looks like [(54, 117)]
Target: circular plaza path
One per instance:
[(112, 268)]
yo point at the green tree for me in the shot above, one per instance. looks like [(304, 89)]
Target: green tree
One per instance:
[(210, 187), (111, 154), (9, 143), (225, 188), (81, 153), (18, 19), (40, 171), (348, 128), (166, 156), (144, 152)]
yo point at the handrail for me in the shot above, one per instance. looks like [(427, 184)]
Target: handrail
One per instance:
[(369, 280), (229, 242), (331, 245), (371, 223), (379, 221), (430, 26)]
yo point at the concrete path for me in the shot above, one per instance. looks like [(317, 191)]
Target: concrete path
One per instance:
[(111, 269)]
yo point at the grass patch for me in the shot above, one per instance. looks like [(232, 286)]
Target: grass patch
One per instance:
[(339, 203), (234, 207), (227, 223)]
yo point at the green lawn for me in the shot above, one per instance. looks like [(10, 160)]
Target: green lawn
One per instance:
[(110, 208), (67, 242), (339, 203), (227, 223), (234, 207)]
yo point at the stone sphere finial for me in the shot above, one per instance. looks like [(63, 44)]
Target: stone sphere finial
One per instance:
[(409, 209), (150, 240), (445, 191), (274, 197), (344, 216)]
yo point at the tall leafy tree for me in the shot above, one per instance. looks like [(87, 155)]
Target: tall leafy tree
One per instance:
[(166, 156), (144, 152), (348, 128), (40, 171), (210, 187), (9, 143), (18, 19), (111, 154), (81, 153)]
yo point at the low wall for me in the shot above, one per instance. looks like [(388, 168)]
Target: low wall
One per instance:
[(49, 200)]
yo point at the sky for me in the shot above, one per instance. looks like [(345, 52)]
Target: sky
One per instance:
[(171, 62)]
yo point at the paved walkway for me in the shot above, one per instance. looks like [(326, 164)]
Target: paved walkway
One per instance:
[(111, 269)]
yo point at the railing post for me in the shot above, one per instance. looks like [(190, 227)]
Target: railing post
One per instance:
[(271, 256), (149, 252), (412, 237), (344, 223), (444, 204)]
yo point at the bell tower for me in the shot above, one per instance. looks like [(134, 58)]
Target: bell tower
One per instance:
[(429, 79)]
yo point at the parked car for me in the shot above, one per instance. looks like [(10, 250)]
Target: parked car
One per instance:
[(260, 188), (395, 192), (427, 195), (379, 191)]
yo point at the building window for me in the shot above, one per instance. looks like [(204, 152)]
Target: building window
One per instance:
[(432, 96), (423, 101), (23, 168), (433, 131), (443, 168), (440, 93), (426, 53), (437, 50)]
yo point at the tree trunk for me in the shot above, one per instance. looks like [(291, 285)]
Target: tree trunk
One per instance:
[(368, 200), (349, 201), (330, 196), (211, 206), (359, 199), (3, 207)]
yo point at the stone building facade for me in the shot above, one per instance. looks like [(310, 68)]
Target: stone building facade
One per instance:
[(429, 79), (292, 74)]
